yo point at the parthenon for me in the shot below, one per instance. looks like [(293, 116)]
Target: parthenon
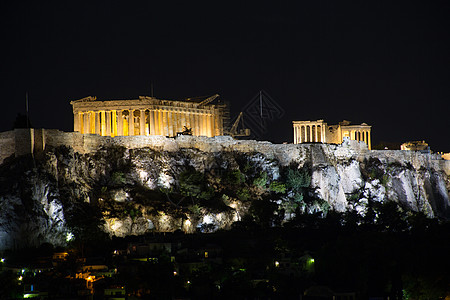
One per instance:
[(319, 131), (146, 116)]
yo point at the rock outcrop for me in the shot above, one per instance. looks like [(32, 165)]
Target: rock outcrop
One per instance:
[(135, 185)]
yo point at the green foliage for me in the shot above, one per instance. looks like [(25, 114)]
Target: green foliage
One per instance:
[(277, 187), (234, 177), (118, 178), (191, 183), (292, 204), (133, 212), (261, 180), (207, 193), (384, 180), (323, 205), (354, 197), (166, 191), (195, 209), (248, 166), (298, 179), (243, 194), (298, 198)]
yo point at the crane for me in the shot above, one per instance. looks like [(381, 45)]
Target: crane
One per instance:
[(234, 128), (208, 100)]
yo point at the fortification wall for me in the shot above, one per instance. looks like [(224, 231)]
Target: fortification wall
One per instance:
[(25, 141)]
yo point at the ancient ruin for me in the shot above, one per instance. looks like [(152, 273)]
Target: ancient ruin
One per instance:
[(148, 116), (415, 146), (320, 132)]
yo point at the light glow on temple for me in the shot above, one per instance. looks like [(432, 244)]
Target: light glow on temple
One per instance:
[(320, 132), (147, 116)]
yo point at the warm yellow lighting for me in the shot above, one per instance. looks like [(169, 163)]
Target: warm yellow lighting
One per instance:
[(277, 264), (175, 273), (206, 254), (160, 117)]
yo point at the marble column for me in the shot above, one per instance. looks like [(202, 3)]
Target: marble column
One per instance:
[(201, 127), (151, 114), (156, 117), (213, 127), (108, 123), (192, 123), (158, 122), (169, 123), (315, 132), (208, 126), (131, 122), (299, 132), (85, 122), (183, 120), (142, 122), (97, 123), (205, 125), (80, 122), (163, 123), (197, 124), (101, 123), (113, 123), (119, 123)]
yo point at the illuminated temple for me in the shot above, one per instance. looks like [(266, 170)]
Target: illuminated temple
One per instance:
[(319, 131), (147, 116)]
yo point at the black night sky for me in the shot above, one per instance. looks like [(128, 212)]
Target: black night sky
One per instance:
[(385, 63)]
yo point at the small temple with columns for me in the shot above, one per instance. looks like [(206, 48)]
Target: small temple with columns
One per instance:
[(148, 116), (320, 132)]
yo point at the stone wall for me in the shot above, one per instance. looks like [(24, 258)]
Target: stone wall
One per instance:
[(25, 141)]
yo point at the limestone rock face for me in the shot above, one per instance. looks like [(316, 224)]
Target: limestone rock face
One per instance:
[(203, 184)]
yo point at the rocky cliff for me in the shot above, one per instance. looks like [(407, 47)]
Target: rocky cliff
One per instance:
[(205, 184)]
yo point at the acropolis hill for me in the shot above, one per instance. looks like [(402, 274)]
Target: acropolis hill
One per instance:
[(140, 183), (77, 168)]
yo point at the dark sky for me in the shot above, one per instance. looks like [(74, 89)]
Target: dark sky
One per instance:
[(385, 63)]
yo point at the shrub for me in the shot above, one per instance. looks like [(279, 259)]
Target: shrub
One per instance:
[(277, 187), (298, 179), (261, 180), (234, 177), (243, 194)]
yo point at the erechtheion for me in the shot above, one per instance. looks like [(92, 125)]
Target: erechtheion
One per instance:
[(319, 131)]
